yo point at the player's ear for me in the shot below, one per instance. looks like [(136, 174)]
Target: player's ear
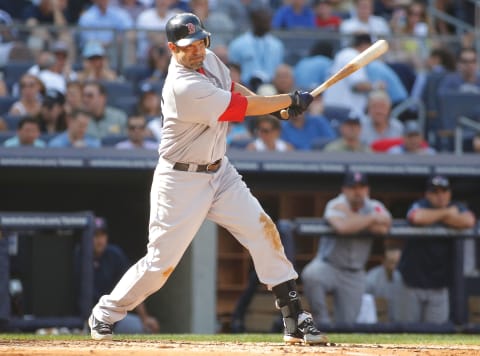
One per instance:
[(172, 46)]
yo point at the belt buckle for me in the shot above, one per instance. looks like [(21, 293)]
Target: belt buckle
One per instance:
[(213, 167)]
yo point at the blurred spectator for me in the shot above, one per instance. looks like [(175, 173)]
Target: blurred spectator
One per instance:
[(95, 64), (364, 21), (386, 8), (30, 103), (151, 24), (75, 134), (218, 23), (384, 280), (325, 19), (467, 77), (378, 123), (46, 70), (413, 141), (440, 62), (339, 266), (132, 7), (380, 72), (103, 15), (294, 14), (268, 131), (137, 136), (28, 133), (149, 107), (349, 140), (352, 91), (239, 12), (63, 65), (304, 130), (258, 52), (106, 120), (283, 81), (158, 59), (46, 12), (411, 26), (74, 98), (52, 12), (52, 114), (109, 264), (311, 71), (11, 48), (149, 102), (426, 264)]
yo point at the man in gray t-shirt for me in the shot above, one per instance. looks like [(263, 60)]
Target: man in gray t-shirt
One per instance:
[(339, 265)]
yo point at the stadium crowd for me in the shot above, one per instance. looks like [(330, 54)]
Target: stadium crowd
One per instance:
[(104, 61)]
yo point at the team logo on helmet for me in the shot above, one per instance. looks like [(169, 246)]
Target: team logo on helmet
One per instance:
[(191, 28)]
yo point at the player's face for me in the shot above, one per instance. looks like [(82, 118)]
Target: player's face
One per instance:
[(356, 195), (439, 197), (191, 56)]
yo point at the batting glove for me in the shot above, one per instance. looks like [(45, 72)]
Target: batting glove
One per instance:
[(300, 101)]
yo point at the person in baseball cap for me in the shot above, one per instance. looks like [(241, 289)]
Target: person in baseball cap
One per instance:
[(437, 182), (353, 179)]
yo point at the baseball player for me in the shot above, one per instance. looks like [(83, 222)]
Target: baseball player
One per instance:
[(194, 180)]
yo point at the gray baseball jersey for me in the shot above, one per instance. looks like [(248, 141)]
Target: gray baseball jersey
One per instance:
[(193, 105)]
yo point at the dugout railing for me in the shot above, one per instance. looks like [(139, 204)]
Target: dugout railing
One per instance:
[(31, 224), (460, 289)]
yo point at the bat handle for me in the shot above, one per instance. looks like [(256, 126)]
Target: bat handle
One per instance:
[(284, 114)]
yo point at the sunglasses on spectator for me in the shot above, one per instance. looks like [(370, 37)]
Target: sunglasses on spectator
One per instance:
[(88, 94)]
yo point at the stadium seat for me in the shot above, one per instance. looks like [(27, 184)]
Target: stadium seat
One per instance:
[(14, 70), (127, 104), (5, 103), (11, 121), (117, 89), (135, 73)]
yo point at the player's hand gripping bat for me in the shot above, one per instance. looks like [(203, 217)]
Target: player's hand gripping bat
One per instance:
[(361, 60)]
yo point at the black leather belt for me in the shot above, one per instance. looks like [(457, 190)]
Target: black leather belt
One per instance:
[(207, 168)]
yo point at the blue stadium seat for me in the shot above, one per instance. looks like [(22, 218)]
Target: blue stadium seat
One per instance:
[(127, 104), (5, 103), (14, 70), (117, 89), (11, 121), (135, 73)]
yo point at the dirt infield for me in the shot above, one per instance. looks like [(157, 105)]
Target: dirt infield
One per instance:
[(171, 348)]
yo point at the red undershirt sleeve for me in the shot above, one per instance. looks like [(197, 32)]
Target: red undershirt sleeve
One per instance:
[(235, 111)]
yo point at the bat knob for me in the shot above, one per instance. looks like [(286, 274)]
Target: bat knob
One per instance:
[(284, 114)]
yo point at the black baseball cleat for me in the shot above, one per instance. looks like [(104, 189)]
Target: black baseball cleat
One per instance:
[(99, 330), (306, 332)]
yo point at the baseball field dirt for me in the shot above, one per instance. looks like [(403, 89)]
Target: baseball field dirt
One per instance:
[(40, 347)]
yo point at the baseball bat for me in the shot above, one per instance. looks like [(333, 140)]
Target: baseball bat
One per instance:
[(360, 60)]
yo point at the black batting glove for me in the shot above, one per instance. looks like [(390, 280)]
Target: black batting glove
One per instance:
[(300, 101)]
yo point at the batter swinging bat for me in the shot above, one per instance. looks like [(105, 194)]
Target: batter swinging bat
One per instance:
[(361, 60)]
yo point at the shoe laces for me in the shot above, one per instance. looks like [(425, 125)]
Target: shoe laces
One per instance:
[(102, 328), (305, 323)]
